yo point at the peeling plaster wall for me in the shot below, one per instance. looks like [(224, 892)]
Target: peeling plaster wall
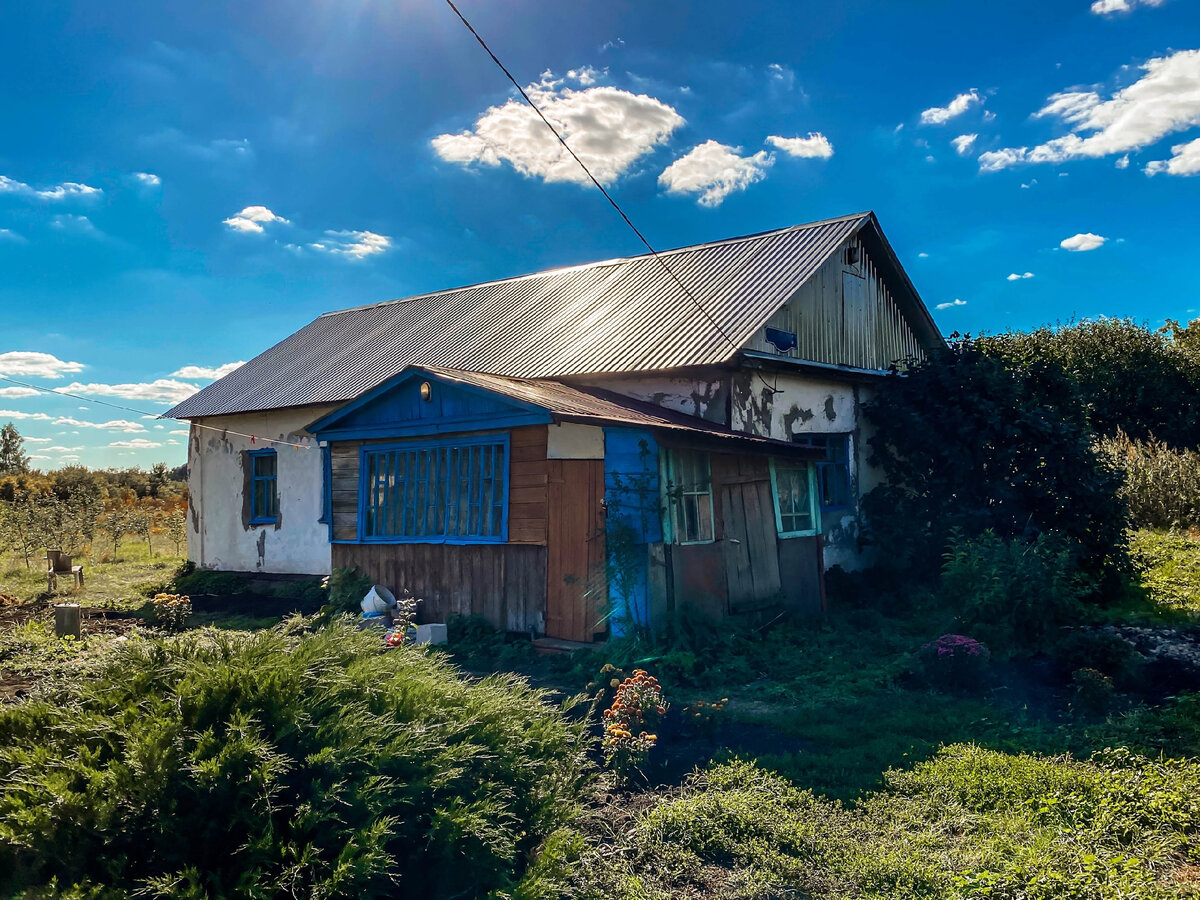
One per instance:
[(217, 537), (704, 395), (804, 405)]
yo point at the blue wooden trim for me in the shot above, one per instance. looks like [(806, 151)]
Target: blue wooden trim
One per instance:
[(417, 488), (255, 478), (326, 424), (813, 509), (465, 424)]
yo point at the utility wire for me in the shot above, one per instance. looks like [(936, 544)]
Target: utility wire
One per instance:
[(607, 196), (253, 437)]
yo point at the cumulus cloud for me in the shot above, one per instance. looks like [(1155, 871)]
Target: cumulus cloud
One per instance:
[(114, 425), (1185, 160), (608, 128), (940, 115), (136, 444), (951, 304), (1017, 277), (17, 414), (161, 390), (252, 219), (1166, 99), (354, 244), (1109, 7), (964, 143), (18, 392), (209, 372), (57, 449), (148, 179), (41, 365), (75, 224), (714, 171), (1079, 243), (68, 190), (815, 146)]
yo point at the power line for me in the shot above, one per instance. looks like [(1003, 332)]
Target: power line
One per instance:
[(607, 196), (253, 437)]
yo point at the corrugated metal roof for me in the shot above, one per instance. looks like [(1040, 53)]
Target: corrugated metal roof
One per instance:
[(620, 315)]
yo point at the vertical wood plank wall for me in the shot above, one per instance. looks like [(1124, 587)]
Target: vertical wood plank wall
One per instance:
[(576, 585)]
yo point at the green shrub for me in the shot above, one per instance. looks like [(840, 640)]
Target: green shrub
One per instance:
[(276, 765), (968, 443), (1015, 593), (1107, 653), (1160, 485), (1094, 691), (346, 589)]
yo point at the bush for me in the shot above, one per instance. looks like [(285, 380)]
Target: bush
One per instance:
[(955, 662), (970, 443), (276, 765), (346, 589), (1102, 651), (1016, 593), (1094, 691), (1160, 486)]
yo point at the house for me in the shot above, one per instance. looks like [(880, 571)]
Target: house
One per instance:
[(571, 452)]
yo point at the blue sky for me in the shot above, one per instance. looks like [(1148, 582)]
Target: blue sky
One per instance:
[(183, 185)]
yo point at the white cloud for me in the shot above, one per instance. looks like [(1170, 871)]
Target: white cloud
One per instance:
[(1079, 243), (41, 365), (182, 431), (8, 234), (147, 179), (1122, 162), (136, 444), (1185, 160), (115, 425), (922, 256), (67, 190), (815, 146), (714, 171), (1164, 100), (252, 218), (18, 392), (36, 458), (33, 440), (952, 303), (16, 414), (1109, 7), (210, 372), (75, 224), (586, 75), (161, 390), (964, 143), (61, 449), (1015, 277), (354, 244), (940, 115), (608, 128)]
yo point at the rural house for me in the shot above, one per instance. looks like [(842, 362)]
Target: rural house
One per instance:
[(571, 451)]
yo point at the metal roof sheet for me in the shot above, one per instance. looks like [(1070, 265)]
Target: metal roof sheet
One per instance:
[(620, 315)]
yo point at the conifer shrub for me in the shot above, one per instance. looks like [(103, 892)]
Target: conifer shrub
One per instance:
[(281, 765)]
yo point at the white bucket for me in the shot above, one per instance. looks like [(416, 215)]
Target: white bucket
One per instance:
[(378, 600)]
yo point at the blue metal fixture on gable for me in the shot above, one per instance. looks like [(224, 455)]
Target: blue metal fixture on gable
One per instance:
[(783, 341)]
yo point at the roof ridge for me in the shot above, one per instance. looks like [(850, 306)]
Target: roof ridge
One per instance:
[(598, 263)]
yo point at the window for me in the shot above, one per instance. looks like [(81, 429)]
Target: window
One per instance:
[(326, 487), (435, 492), (792, 484), (264, 490), (688, 485), (833, 472)]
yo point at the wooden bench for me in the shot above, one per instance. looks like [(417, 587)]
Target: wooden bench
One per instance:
[(59, 563)]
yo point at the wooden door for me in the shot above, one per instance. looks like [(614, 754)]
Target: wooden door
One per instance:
[(576, 585), (747, 531)]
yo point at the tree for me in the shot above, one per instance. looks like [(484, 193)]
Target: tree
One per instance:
[(13, 460), (971, 443)]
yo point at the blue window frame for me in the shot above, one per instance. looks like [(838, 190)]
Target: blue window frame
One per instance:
[(326, 517), (453, 491), (264, 487), (793, 485), (833, 472)]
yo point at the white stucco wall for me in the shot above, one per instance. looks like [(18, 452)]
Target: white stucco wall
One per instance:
[(217, 537), (701, 395)]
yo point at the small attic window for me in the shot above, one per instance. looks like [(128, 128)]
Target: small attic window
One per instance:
[(852, 255)]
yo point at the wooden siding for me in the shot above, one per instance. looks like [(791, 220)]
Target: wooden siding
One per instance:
[(845, 315), (748, 535), (527, 514), (505, 584)]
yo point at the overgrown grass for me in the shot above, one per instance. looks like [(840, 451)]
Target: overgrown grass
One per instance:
[(968, 823), (113, 585), (1168, 569), (278, 764)]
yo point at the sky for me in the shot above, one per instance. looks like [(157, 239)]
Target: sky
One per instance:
[(184, 185)]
